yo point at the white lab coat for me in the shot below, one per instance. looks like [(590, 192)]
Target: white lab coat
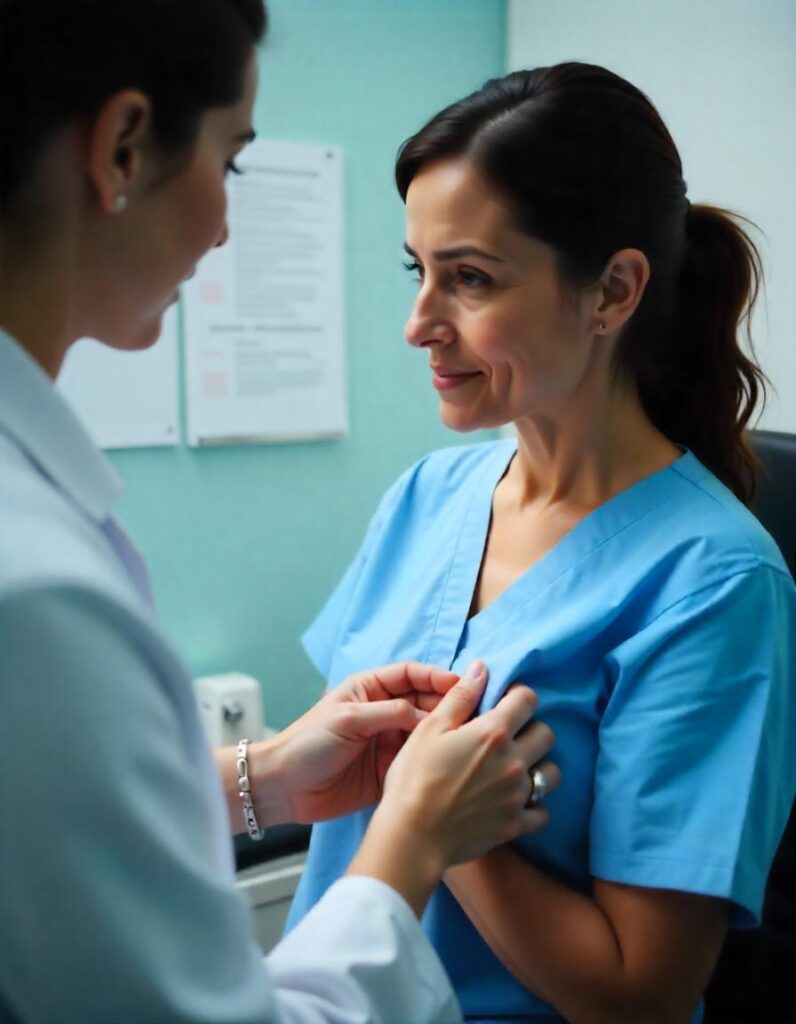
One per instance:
[(119, 904)]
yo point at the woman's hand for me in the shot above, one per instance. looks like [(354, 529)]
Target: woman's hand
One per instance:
[(456, 789), (333, 760)]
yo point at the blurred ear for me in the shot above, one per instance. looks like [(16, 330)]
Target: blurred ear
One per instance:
[(621, 288), (118, 141)]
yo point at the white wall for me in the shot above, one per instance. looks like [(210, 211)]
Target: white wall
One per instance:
[(723, 76)]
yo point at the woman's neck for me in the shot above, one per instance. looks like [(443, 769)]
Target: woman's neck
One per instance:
[(587, 454), (37, 303)]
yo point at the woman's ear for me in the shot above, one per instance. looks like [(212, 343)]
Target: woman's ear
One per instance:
[(621, 288), (117, 143)]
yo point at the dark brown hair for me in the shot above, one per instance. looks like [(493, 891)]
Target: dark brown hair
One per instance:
[(62, 59), (587, 166)]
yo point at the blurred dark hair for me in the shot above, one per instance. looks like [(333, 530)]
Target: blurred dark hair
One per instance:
[(62, 59), (586, 164)]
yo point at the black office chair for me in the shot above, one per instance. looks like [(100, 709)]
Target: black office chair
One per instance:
[(775, 500), (755, 978), (279, 841)]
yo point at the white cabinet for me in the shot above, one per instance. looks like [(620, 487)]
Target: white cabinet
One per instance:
[(269, 888)]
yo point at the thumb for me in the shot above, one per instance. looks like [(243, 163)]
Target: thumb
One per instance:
[(458, 704)]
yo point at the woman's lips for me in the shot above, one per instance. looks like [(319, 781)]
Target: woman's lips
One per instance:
[(448, 380)]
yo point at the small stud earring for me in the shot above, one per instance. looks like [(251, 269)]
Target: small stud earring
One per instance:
[(120, 204), (603, 325)]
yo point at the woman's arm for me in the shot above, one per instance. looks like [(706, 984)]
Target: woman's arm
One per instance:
[(628, 954), (266, 784)]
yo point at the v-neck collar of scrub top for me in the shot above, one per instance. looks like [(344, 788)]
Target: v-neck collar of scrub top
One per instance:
[(454, 630), (38, 419)]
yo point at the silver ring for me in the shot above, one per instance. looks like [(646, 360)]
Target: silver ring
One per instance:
[(539, 786)]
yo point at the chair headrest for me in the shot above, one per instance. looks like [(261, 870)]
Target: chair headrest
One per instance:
[(774, 503)]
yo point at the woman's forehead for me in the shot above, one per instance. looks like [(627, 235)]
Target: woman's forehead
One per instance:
[(449, 203)]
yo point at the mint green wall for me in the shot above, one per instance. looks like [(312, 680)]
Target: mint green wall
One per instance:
[(244, 543)]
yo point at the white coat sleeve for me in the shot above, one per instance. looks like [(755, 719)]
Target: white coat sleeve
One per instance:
[(360, 957)]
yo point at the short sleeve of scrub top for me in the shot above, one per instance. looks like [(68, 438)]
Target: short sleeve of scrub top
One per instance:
[(691, 744)]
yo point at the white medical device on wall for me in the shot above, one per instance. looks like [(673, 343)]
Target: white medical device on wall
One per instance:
[(231, 707)]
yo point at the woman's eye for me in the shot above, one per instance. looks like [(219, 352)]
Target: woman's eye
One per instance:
[(471, 278), (414, 267), (232, 168)]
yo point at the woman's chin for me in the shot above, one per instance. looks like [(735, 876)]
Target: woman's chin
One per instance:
[(142, 338), (150, 335), (458, 420), (465, 421)]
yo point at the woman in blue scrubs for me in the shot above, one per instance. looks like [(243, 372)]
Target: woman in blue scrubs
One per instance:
[(604, 557)]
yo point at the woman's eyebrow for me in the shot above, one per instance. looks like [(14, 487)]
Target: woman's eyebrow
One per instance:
[(457, 252)]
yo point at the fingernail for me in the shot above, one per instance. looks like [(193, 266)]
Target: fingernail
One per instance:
[(476, 671)]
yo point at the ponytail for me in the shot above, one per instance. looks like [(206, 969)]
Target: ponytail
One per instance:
[(702, 390)]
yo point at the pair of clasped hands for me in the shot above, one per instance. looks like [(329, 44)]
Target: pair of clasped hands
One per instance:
[(449, 787)]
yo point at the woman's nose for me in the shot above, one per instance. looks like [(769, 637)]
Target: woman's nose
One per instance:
[(426, 326)]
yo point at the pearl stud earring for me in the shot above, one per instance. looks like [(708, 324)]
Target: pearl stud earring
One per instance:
[(120, 204)]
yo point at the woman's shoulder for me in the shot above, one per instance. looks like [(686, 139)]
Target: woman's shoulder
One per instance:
[(45, 537), (720, 522)]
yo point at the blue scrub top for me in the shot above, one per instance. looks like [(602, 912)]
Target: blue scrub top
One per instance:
[(659, 636)]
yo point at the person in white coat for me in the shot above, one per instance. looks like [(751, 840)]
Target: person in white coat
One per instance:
[(118, 122)]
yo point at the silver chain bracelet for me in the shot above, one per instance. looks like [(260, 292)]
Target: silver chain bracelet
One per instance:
[(245, 790)]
